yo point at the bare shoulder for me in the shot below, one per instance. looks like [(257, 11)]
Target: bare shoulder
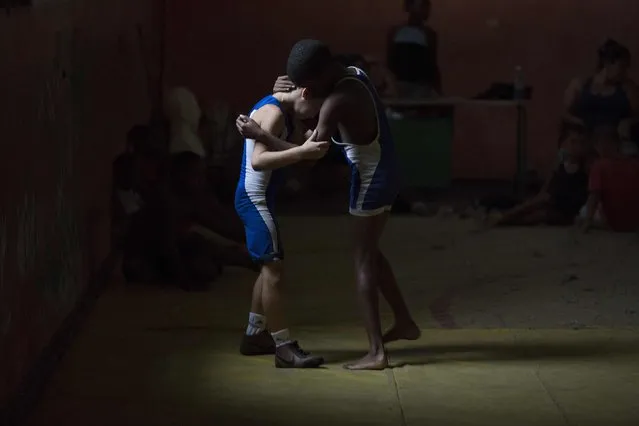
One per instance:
[(270, 111), (351, 90), (338, 98), (269, 117)]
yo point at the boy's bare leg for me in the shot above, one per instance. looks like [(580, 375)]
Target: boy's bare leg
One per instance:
[(257, 340), (522, 210), (287, 352), (404, 327), (271, 278), (367, 269), (256, 297)]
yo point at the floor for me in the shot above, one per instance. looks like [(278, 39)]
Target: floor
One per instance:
[(521, 327)]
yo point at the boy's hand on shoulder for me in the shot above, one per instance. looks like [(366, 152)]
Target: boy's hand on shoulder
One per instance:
[(248, 127), (313, 150)]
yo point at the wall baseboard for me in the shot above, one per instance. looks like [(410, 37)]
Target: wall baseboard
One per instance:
[(20, 406)]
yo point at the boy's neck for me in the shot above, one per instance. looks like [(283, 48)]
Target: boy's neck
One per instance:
[(284, 100)]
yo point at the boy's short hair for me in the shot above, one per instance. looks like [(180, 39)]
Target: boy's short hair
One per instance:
[(611, 52), (307, 59)]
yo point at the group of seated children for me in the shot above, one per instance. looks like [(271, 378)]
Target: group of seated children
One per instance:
[(166, 219), (593, 185)]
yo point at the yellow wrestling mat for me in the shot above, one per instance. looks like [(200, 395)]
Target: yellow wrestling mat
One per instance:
[(150, 356)]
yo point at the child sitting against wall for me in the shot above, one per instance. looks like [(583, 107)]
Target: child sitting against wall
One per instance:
[(613, 200), (563, 195), (135, 172), (166, 243)]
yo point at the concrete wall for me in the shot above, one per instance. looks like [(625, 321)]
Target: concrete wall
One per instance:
[(71, 83), (234, 49)]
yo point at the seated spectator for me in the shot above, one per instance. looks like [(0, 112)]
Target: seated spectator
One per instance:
[(606, 98), (224, 147), (563, 195), (628, 136), (135, 173), (164, 243), (183, 111), (613, 201)]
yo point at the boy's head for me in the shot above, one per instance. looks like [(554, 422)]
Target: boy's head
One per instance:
[(418, 9), (304, 106), (573, 141), (614, 60), (311, 66), (606, 141), (188, 172)]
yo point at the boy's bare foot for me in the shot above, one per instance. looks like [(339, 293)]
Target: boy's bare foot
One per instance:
[(407, 331), (369, 362)]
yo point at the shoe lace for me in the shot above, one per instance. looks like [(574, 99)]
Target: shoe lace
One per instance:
[(299, 350)]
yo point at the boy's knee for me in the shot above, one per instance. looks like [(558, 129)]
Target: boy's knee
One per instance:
[(272, 273)]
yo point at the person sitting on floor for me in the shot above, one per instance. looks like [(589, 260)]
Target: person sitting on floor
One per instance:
[(134, 173), (179, 236), (613, 202), (560, 200), (606, 98)]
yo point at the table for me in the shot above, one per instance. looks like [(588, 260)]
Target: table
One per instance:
[(403, 104)]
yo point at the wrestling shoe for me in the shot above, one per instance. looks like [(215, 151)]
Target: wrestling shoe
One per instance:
[(290, 355), (257, 344)]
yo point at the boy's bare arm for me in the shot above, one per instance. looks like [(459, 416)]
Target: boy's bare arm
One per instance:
[(330, 115)]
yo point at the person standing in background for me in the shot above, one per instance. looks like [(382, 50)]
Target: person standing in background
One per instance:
[(412, 53)]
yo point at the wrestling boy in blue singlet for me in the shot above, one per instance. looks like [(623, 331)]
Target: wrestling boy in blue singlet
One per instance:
[(260, 175), (354, 117)]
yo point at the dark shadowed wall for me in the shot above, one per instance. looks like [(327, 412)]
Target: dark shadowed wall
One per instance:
[(71, 83), (234, 49)]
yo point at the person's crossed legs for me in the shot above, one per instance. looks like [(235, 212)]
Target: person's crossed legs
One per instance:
[(373, 274)]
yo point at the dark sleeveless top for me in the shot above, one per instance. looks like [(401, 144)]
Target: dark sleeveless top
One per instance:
[(596, 109), (569, 191), (411, 57)]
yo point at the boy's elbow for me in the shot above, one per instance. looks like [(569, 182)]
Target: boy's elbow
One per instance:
[(257, 165)]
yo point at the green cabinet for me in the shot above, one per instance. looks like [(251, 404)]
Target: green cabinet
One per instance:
[(424, 149)]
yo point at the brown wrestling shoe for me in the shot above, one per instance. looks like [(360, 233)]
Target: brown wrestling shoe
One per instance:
[(258, 344), (291, 355)]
